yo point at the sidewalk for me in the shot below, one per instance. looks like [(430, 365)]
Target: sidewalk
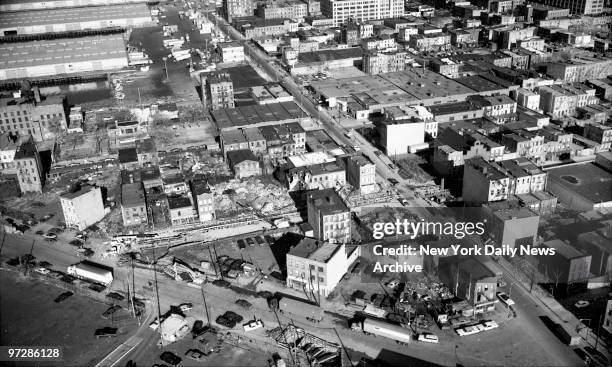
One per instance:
[(563, 316)]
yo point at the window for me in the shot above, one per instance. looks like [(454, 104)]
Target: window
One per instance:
[(320, 269), (312, 267)]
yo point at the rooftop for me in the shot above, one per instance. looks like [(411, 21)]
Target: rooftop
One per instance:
[(72, 15), (81, 191), (128, 155), (327, 201), (312, 249), (586, 179), (177, 202), (132, 194), (564, 249), (329, 55), (47, 52), (249, 115), (237, 156)]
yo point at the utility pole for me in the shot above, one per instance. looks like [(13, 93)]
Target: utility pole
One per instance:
[(205, 306), (159, 322)]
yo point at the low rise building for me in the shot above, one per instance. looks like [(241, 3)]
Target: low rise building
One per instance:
[(19, 158), (42, 117), (318, 266), (361, 174), (580, 69), (501, 109), (83, 207), (133, 204), (231, 52), (375, 62), (146, 152), (329, 216), (220, 90), (182, 210), (204, 200), (568, 264), (471, 281), (243, 163)]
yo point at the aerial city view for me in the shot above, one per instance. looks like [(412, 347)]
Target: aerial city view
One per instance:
[(324, 183)]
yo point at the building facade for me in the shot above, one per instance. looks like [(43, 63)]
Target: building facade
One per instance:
[(19, 157), (329, 216), (133, 204), (361, 10), (318, 267), (82, 208)]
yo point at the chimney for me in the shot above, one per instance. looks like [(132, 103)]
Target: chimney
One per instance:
[(36, 94)]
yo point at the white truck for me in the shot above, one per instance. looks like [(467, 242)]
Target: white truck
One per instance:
[(91, 271)]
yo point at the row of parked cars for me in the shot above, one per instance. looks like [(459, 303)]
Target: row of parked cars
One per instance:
[(256, 240), (477, 328)]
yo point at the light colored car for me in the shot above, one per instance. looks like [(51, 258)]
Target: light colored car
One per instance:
[(393, 283), (503, 297), (467, 330), (43, 271), (428, 338), (253, 325), (489, 324), (582, 304), (185, 307)]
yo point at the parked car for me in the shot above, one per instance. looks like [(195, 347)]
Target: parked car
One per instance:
[(427, 337), (111, 310), (269, 239), (195, 355), (393, 283), (223, 321), (115, 296), (244, 303), (250, 241), (43, 271), (40, 233), (185, 307), (467, 330), (403, 201), (260, 241), (106, 332), (170, 358), (582, 304), (62, 297), (489, 324), (253, 325), (198, 328), (221, 283), (503, 297), (241, 244)]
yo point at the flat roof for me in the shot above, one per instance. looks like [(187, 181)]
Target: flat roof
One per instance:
[(132, 194), (72, 15), (314, 250), (81, 191), (587, 179), (249, 115), (329, 55), (327, 201), (564, 249), (60, 51)]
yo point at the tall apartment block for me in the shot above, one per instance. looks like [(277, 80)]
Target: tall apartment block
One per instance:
[(361, 10)]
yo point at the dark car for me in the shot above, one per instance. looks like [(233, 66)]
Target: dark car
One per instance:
[(250, 241), (115, 296), (198, 328), (221, 283), (106, 332), (230, 315), (241, 244), (111, 310), (222, 320), (244, 303), (260, 241), (62, 297), (393, 181), (170, 358), (195, 354), (40, 233), (270, 239), (76, 242)]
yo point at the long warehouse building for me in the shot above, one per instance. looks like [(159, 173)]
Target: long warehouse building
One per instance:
[(21, 5), (74, 19), (62, 56)]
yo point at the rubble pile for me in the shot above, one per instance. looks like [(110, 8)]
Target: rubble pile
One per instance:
[(264, 198)]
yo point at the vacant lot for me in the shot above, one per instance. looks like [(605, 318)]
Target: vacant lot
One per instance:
[(29, 317)]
